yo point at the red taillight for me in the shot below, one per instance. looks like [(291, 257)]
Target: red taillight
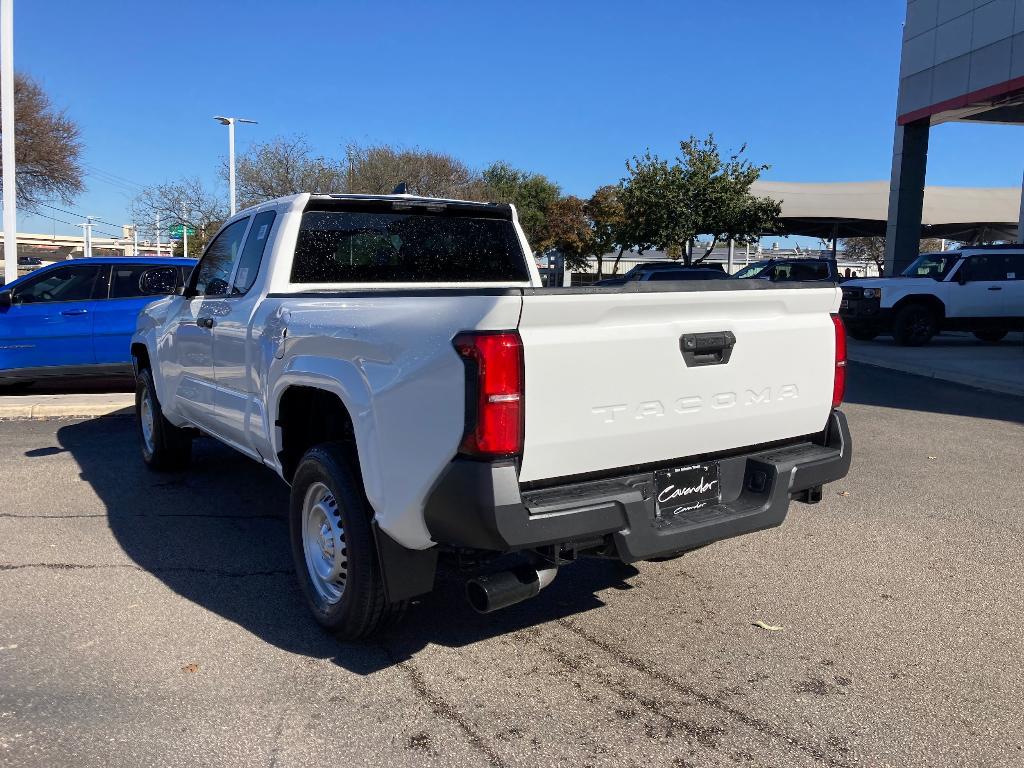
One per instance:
[(494, 393), (839, 382)]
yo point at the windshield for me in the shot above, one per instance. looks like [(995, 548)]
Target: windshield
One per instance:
[(752, 271), (934, 265)]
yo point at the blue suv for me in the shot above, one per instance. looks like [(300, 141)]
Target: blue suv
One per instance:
[(77, 317)]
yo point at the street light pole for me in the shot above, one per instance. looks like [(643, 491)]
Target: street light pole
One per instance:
[(184, 232), (7, 145), (158, 234), (230, 123)]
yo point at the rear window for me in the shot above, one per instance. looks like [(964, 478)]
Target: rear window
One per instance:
[(420, 247)]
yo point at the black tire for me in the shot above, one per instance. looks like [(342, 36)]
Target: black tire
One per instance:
[(361, 608), (914, 325), (168, 447), (991, 335), (861, 334)]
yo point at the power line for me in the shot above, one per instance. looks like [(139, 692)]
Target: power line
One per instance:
[(113, 177), (74, 213), (76, 224)]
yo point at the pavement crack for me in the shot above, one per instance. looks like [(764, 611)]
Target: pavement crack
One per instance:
[(444, 708), (218, 572), (46, 517), (175, 515), (761, 726)]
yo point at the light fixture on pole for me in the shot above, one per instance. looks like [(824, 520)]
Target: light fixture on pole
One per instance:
[(230, 123)]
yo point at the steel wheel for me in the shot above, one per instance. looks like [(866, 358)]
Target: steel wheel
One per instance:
[(323, 543), (147, 421)]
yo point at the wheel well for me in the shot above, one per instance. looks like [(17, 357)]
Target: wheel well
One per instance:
[(308, 416), (932, 302), (140, 357)]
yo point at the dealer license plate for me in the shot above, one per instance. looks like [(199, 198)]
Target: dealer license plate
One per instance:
[(684, 489)]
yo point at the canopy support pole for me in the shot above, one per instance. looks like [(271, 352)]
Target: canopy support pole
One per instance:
[(835, 238)]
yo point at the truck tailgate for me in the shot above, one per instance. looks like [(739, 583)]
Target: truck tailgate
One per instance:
[(607, 385)]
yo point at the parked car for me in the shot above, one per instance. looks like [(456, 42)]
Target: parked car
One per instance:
[(76, 317), (791, 270), (978, 289), (395, 360), (665, 271), (29, 261)]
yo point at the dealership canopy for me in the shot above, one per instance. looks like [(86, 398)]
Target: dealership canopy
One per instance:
[(860, 209)]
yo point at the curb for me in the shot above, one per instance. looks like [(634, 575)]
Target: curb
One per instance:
[(977, 382), (55, 410)]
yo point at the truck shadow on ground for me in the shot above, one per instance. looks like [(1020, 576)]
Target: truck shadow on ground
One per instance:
[(217, 535), (869, 385)]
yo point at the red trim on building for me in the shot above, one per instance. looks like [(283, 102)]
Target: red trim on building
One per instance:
[(959, 102)]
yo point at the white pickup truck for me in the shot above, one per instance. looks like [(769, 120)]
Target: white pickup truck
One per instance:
[(395, 360)]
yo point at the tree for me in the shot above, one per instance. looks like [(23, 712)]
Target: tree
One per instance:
[(865, 250), (667, 205), (581, 228), (531, 193), (284, 166), (871, 250), (567, 229), (48, 147), (379, 169), (185, 202), (604, 210)]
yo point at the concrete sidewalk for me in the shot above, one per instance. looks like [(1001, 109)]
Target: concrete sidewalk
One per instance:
[(956, 357), (67, 405)]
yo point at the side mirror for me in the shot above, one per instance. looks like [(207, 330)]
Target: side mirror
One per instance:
[(6, 299)]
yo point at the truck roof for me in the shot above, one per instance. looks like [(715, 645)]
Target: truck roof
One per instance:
[(316, 197)]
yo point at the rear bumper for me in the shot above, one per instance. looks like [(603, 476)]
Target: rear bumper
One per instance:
[(479, 505)]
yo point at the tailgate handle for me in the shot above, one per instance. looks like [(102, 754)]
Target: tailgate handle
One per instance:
[(707, 348)]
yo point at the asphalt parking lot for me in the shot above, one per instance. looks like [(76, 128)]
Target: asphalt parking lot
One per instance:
[(154, 620)]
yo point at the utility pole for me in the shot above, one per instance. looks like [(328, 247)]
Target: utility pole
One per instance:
[(87, 237), (158, 234), (135, 239), (7, 147), (184, 232)]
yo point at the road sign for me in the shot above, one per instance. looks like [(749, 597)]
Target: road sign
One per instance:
[(177, 229)]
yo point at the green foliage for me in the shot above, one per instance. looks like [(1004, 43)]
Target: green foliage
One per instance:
[(667, 205), (531, 193)]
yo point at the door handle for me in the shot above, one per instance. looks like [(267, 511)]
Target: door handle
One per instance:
[(72, 312), (707, 348), (995, 287), (205, 322)]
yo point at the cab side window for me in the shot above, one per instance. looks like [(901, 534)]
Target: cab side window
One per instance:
[(252, 253), (213, 273), (989, 266), (1015, 266)]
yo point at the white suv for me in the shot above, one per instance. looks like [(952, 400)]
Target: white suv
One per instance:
[(978, 289)]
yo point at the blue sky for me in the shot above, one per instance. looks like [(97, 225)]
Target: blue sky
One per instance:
[(568, 89)]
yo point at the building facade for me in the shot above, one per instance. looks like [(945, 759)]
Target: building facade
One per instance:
[(962, 60)]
